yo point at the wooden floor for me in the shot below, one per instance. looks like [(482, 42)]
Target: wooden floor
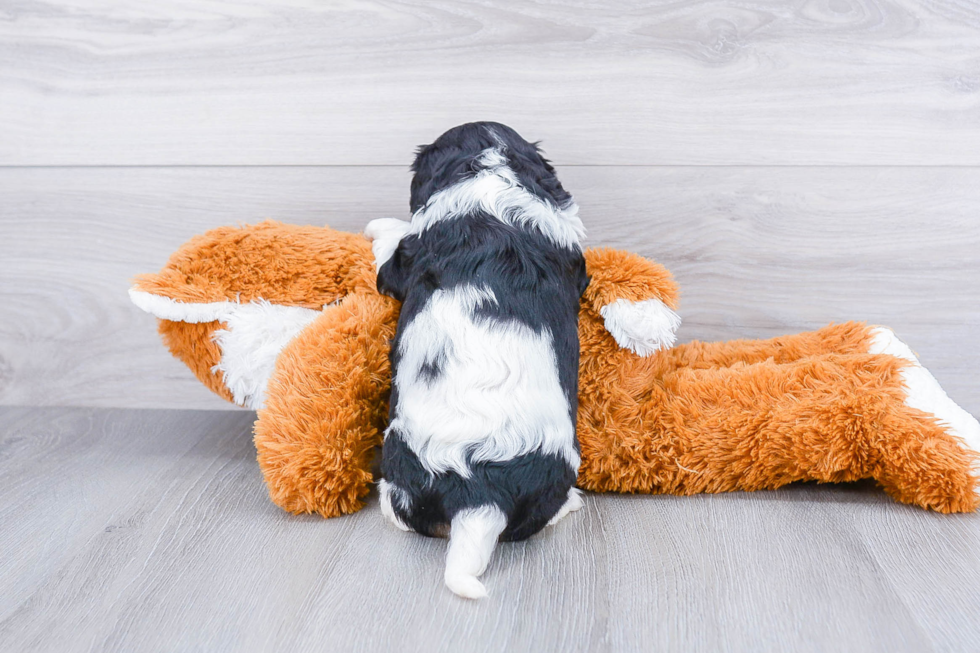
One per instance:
[(139, 530), (793, 163)]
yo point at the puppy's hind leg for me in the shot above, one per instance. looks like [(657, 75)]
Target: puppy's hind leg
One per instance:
[(472, 539), (575, 502), (386, 490)]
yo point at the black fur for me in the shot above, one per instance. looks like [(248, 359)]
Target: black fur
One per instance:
[(535, 281), (529, 489), (453, 157)]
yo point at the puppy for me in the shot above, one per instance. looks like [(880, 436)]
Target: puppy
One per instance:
[(481, 442)]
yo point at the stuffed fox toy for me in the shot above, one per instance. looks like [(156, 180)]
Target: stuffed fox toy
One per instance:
[(287, 320)]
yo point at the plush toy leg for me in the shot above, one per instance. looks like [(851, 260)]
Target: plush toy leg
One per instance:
[(924, 395), (326, 407), (846, 338), (739, 425)]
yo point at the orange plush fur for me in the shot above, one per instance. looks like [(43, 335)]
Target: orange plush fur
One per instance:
[(700, 417)]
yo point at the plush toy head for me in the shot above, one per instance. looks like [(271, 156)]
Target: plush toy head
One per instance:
[(230, 300)]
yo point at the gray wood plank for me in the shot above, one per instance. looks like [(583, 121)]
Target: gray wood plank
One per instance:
[(758, 252), (124, 530), (601, 82), (936, 552)]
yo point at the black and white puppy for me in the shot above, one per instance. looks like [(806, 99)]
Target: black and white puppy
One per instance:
[(481, 443)]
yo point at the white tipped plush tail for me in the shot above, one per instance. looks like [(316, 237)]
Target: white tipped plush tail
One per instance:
[(472, 537)]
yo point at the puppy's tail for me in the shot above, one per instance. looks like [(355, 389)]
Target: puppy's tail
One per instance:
[(472, 537)]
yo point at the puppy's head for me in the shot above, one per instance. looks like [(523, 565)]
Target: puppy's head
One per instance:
[(465, 150)]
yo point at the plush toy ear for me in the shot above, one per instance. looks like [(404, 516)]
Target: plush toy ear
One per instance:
[(635, 297)]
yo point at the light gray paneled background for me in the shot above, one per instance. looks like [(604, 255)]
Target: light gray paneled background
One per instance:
[(793, 163)]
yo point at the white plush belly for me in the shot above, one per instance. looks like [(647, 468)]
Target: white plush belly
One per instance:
[(476, 386)]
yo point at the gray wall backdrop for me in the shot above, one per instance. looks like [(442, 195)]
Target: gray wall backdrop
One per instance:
[(793, 163)]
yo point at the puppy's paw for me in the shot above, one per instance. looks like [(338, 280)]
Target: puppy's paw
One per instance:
[(574, 502), (642, 327), (385, 234)]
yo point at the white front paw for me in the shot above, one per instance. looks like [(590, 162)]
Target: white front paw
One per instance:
[(385, 234), (642, 327)]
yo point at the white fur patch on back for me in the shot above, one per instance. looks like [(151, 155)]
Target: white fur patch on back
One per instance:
[(497, 191), (496, 394), (385, 234), (642, 327), (924, 392)]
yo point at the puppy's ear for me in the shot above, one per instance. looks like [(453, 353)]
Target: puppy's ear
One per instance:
[(394, 275), (536, 171)]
